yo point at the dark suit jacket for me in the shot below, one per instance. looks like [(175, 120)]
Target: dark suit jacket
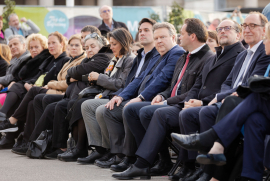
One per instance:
[(159, 79), (214, 73), (135, 66), (193, 70), (258, 66), (116, 24)]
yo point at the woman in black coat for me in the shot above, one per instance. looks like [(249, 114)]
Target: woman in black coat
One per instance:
[(98, 59)]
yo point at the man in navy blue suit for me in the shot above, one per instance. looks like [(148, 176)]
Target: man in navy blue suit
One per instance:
[(155, 78)]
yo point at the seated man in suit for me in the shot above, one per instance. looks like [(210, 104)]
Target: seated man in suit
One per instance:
[(91, 111), (137, 116), (155, 78), (250, 62), (165, 119)]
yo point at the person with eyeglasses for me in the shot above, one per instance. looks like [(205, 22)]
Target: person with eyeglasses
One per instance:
[(108, 23), (215, 138)]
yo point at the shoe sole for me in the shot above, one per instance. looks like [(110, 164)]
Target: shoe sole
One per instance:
[(129, 178), (9, 130), (101, 166), (117, 170), (69, 160), (207, 161), (85, 163), (19, 153), (51, 158)]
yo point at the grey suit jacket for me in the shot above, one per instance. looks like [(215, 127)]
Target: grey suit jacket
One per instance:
[(15, 62), (117, 80)]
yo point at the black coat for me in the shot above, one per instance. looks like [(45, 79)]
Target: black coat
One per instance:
[(193, 70), (214, 73), (30, 71), (55, 69), (3, 67), (104, 29), (98, 63)]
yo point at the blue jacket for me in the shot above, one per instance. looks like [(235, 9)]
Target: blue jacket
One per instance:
[(257, 66), (160, 78)]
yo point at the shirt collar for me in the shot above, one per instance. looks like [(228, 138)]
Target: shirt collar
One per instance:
[(197, 49), (255, 47)]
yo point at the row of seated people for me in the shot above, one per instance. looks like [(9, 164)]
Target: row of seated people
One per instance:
[(144, 97)]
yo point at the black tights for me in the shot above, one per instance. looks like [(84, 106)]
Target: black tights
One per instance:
[(79, 134), (10, 101)]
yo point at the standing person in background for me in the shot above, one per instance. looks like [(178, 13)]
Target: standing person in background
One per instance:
[(15, 27), (108, 23), (2, 35), (212, 40), (214, 24)]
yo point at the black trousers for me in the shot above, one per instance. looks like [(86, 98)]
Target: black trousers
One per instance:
[(22, 111), (39, 103), (53, 118), (164, 121)]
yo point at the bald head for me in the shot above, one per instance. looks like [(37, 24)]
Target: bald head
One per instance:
[(106, 12)]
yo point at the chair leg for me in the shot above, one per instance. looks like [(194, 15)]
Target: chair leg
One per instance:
[(175, 166), (173, 147)]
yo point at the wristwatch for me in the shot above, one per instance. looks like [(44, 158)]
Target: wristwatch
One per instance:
[(141, 97)]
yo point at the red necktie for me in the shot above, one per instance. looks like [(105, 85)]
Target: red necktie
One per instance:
[(181, 75)]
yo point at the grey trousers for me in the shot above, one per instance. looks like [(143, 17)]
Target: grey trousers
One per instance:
[(97, 133)]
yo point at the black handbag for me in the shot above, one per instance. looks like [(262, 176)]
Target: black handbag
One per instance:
[(257, 84), (91, 91), (39, 147)]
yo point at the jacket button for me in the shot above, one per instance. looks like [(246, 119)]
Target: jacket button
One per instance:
[(204, 87), (183, 85)]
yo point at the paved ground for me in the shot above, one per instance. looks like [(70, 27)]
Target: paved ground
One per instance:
[(20, 168)]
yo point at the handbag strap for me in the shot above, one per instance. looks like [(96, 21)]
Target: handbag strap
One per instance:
[(267, 71)]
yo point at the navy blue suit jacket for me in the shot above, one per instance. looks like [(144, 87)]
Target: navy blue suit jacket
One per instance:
[(135, 66), (160, 78), (257, 66)]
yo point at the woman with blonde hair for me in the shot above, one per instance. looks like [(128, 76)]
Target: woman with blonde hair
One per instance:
[(5, 57)]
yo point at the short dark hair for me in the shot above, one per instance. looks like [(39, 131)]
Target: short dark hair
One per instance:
[(197, 27), (213, 35), (147, 20), (123, 37), (91, 29)]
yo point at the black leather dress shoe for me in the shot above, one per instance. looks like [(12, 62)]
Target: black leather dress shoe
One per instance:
[(3, 116), (107, 164), (105, 157), (204, 177), (194, 176), (133, 172), (162, 167), (190, 142), (74, 154), (183, 172), (90, 159), (6, 143), (125, 164)]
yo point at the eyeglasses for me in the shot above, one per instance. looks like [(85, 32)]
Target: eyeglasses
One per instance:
[(94, 35), (251, 26), (226, 28), (104, 11)]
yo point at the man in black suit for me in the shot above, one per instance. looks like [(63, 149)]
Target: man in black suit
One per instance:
[(253, 61), (137, 116), (165, 119)]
